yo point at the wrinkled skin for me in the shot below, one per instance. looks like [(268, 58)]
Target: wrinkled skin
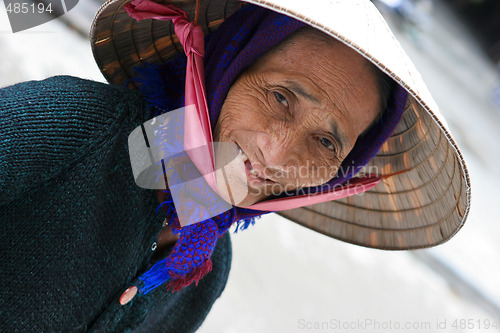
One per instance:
[(296, 114)]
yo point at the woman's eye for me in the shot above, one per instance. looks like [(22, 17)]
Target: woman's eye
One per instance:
[(281, 99), (327, 143)]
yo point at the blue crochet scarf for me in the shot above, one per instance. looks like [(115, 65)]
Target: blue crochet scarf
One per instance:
[(238, 42)]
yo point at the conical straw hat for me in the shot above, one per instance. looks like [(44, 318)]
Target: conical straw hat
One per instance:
[(424, 205)]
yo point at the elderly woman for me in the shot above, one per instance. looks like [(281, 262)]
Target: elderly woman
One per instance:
[(85, 248), (294, 108)]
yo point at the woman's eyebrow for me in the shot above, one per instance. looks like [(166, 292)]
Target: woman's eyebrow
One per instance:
[(299, 89)]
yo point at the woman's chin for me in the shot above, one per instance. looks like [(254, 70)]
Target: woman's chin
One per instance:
[(247, 202), (243, 202)]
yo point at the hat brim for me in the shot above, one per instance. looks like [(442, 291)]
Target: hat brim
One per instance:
[(423, 206)]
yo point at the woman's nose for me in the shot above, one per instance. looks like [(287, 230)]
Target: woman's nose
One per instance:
[(276, 151)]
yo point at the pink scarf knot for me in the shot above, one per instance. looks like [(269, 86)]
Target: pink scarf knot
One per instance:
[(190, 35)]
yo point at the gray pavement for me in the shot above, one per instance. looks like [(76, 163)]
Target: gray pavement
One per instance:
[(289, 279)]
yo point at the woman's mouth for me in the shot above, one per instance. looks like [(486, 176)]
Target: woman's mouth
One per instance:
[(252, 175)]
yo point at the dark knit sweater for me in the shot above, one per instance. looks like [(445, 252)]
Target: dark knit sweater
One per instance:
[(76, 230)]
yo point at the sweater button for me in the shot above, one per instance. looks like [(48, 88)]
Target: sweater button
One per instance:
[(128, 295), (154, 246)]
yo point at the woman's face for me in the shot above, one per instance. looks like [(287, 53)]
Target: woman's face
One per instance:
[(295, 114)]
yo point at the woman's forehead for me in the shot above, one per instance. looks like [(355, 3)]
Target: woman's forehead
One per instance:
[(327, 65), (309, 48)]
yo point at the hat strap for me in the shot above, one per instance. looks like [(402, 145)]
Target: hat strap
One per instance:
[(356, 186), (197, 128)]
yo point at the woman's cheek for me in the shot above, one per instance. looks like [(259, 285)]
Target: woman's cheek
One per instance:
[(225, 127), (316, 176)]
